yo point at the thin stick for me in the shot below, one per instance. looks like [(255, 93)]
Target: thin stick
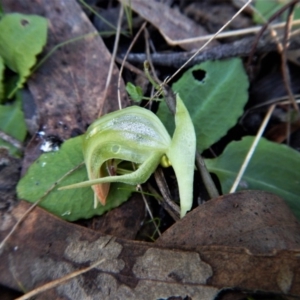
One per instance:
[(57, 282), (282, 49), (114, 54), (281, 100), (174, 212), (131, 67), (273, 32), (11, 140), (216, 34), (207, 180), (124, 59), (252, 149), (227, 34), (148, 209), (149, 60), (284, 67), (36, 203), (263, 28)]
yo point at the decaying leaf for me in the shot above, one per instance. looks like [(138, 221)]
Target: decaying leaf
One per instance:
[(46, 248), (256, 220), (125, 222), (173, 25)]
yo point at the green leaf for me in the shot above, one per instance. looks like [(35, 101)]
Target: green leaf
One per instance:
[(269, 8), (215, 102), (273, 167), (1, 80), (12, 123), (22, 37), (71, 204), (135, 92)]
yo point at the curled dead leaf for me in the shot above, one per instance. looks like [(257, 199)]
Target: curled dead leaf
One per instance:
[(258, 221)]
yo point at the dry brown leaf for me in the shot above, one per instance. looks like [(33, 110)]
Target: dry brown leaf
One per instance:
[(124, 221), (279, 132), (173, 25), (256, 220), (68, 88), (45, 248)]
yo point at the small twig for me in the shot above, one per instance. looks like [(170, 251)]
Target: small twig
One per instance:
[(131, 67), (149, 60), (271, 28), (201, 48), (240, 48), (11, 140), (252, 149), (170, 99), (172, 208), (207, 180), (282, 49), (112, 62), (281, 100), (264, 27), (162, 201), (148, 209), (227, 34), (150, 77), (31, 208), (123, 62), (284, 67), (57, 282)]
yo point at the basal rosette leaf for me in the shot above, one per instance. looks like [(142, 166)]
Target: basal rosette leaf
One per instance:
[(22, 37), (273, 168), (71, 204), (214, 93), (12, 122)]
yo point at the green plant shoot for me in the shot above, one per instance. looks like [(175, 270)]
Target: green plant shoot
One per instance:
[(136, 135)]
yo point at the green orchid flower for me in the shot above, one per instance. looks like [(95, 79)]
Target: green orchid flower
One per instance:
[(136, 135)]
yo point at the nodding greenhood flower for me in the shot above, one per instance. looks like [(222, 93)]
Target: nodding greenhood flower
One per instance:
[(136, 135)]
